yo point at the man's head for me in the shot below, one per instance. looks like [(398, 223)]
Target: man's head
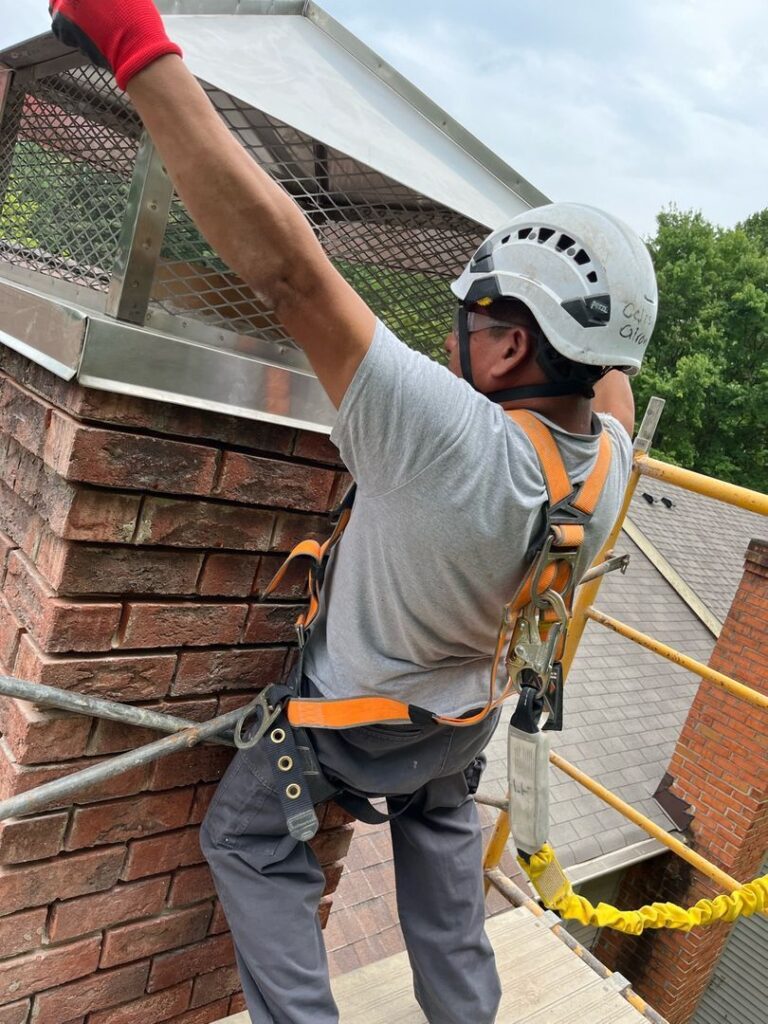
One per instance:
[(577, 290)]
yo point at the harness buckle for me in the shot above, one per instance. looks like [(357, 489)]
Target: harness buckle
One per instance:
[(267, 716)]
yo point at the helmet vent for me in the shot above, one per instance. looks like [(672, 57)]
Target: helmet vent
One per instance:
[(564, 243), (582, 257), (592, 276), (523, 232), (505, 239), (545, 234)]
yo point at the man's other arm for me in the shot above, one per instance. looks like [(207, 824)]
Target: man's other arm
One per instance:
[(613, 394), (253, 224)]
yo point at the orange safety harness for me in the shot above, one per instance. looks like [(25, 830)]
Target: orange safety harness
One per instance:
[(533, 625)]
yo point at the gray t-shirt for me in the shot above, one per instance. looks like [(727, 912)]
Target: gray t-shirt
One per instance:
[(449, 502)]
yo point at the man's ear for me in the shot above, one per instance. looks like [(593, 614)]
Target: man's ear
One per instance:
[(516, 348)]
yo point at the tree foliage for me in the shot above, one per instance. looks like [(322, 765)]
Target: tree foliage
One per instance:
[(709, 353)]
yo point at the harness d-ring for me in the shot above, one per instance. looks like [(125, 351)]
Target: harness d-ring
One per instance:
[(268, 717)]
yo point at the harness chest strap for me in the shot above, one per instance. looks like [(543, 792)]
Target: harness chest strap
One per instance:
[(568, 511)]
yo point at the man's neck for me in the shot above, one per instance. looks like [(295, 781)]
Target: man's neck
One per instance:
[(573, 413)]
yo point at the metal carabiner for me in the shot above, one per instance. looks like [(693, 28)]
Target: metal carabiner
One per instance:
[(269, 715)]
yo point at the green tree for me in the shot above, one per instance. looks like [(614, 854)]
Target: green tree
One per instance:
[(709, 353)]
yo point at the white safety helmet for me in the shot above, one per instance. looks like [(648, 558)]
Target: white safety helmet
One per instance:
[(584, 274)]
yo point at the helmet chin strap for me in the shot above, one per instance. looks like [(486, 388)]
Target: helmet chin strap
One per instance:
[(546, 389)]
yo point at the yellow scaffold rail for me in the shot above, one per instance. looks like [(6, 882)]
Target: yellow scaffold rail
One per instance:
[(709, 486), (745, 693)]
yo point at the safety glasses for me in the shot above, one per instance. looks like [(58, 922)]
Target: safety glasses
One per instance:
[(480, 322)]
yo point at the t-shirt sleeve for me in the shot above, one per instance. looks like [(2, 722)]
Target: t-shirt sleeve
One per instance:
[(401, 411)]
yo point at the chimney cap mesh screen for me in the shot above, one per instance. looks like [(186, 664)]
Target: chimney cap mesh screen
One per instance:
[(64, 180)]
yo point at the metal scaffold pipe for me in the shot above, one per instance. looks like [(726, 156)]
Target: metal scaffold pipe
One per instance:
[(61, 789)]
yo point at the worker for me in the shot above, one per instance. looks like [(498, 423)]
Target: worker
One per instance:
[(553, 313)]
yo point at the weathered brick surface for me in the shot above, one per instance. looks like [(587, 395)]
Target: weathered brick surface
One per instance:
[(120, 820), (74, 569), (122, 677), (101, 990), (26, 839), (35, 735), (270, 482), (144, 938), (200, 958), (181, 624), (204, 524), (214, 984), (113, 458), (57, 624), (136, 540), (149, 1009), (121, 904), (21, 932), (190, 885), (162, 853), (35, 885), (45, 968), (227, 669), (15, 1013)]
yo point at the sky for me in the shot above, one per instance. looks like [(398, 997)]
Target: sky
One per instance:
[(626, 104)]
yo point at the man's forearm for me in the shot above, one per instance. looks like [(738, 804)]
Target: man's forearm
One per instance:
[(613, 394), (246, 216)]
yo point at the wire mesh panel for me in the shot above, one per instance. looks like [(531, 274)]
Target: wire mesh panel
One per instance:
[(67, 152), (397, 248)]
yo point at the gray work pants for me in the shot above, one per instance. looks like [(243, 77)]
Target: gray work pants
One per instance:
[(270, 884)]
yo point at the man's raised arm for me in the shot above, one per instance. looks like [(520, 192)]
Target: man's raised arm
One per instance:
[(247, 217)]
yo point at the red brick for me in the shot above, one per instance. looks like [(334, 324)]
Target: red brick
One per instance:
[(225, 575), (23, 416), (148, 1010), (207, 1014), (22, 932), (335, 815), (34, 885), (181, 624), (293, 585), (214, 984), (113, 458), (162, 853), (198, 764), (190, 885), (202, 801), (15, 1013), (18, 520), (232, 701), (333, 874), (237, 1003), (46, 968), (35, 735), (219, 921), (204, 524), (121, 904), (258, 481), (332, 844), (73, 511), (6, 547), (119, 820), (77, 568), (144, 938), (57, 624), (25, 839), (207, 671), (15, 779), (317, 447), (124, 677), (10, 634), (271, 623), (110, 737), (101, 990), (291, 529), (171, 968)]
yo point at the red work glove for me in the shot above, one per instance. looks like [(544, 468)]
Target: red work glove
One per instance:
[(121, 35)]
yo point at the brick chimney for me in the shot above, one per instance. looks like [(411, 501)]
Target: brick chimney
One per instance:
[(135, 542), (719, 767)]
